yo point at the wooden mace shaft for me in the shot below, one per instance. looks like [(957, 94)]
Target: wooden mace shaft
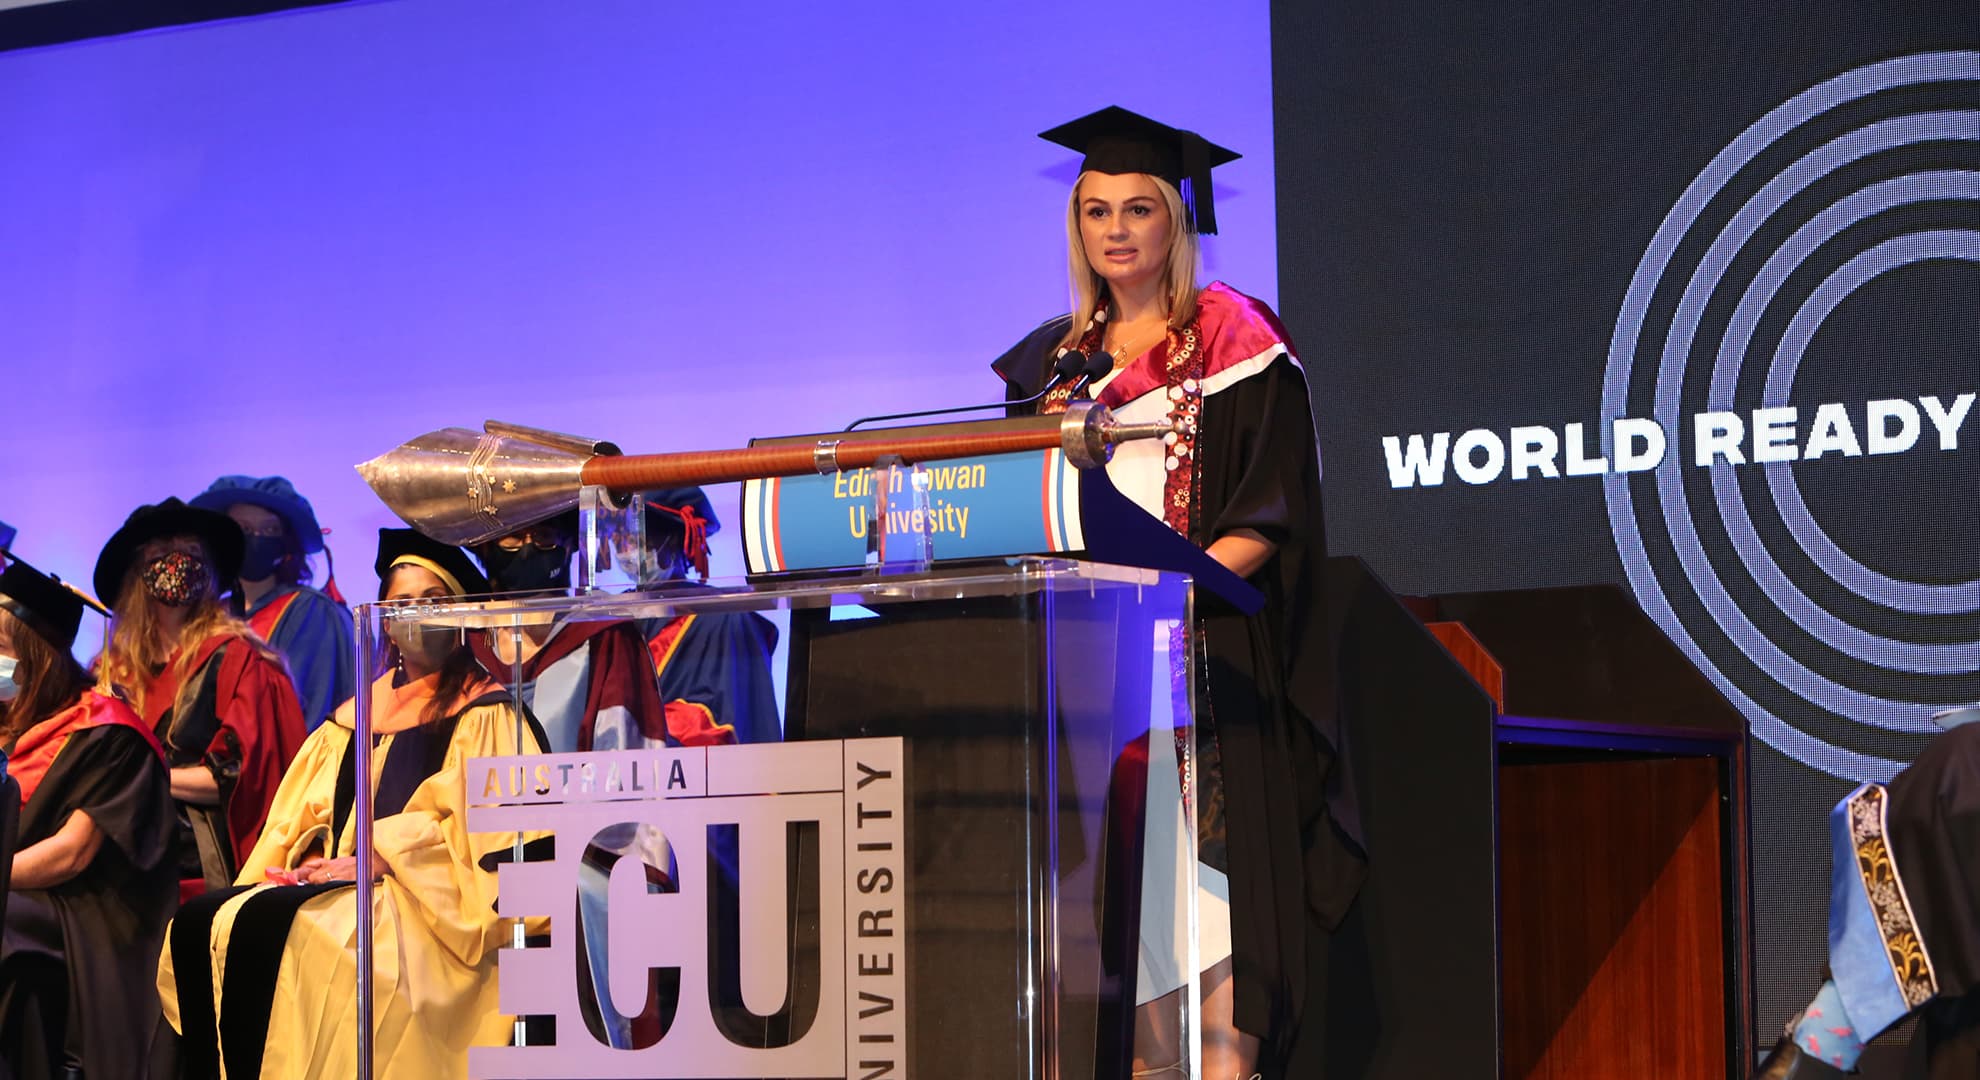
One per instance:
[(645, 472)]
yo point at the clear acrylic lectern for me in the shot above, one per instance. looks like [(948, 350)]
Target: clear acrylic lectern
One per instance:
[(958, 847)]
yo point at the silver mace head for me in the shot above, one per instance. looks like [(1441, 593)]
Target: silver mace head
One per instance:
[(468, 487), (1088, 433)]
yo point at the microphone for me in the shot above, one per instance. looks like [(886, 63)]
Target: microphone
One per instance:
[(1096, 366), (1070, 364)]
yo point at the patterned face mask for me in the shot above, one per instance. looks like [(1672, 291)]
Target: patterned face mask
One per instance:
[(175, 579)]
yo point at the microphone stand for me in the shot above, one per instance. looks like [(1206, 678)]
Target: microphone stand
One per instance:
[(1070, 364)]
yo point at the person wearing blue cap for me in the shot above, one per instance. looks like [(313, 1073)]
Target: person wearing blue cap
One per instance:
[(312, 631), (714, 668)]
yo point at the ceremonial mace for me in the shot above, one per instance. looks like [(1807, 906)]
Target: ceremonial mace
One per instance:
[(467, 487)]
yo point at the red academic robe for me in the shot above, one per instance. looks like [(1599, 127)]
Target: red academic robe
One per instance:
[(243, 723)]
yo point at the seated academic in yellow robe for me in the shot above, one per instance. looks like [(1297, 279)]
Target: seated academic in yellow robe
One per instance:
[(260, 980)]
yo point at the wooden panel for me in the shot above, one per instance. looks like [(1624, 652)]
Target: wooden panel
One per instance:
[(1612, 918), (1590, 653), (1469, 652), (1412, 989)]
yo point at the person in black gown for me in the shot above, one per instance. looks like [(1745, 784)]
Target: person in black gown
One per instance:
[(1278, 837), (94, 874), (1904, 921)]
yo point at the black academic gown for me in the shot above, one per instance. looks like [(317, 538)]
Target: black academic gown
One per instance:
[(1934, 834), (1295, 860), (78, 962)]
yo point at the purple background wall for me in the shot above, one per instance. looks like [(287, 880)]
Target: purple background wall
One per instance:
[(287, 243)]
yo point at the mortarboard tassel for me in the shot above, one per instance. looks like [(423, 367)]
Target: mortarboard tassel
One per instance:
[(694, 542), (1196, 183)]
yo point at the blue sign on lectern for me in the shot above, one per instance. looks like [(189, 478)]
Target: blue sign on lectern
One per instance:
[(980, 507)]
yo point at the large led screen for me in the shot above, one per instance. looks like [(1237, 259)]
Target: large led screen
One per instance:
[(1681, 297)]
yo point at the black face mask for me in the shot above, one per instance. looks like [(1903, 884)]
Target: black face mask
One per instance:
[(426, 647), (527, 569), (261, 557)]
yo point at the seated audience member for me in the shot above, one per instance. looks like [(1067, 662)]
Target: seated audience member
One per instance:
[(1904, 922), (313, 632), (714, 667), (590, 685), (94, 880), (214, 694), (286, 952)]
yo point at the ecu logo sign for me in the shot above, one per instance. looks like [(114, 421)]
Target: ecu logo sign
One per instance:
[(719, 913)]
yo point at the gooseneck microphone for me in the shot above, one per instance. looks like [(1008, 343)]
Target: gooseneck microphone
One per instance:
[(1071, 364), (1067, 365), (1096, 366)]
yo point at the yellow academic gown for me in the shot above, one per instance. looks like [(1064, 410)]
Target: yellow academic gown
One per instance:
[(435, 928)]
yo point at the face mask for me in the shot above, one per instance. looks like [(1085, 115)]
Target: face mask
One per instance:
[(175, 579), (8, 688), (529, 569), (427, 647), (661, 562), (263, 552)]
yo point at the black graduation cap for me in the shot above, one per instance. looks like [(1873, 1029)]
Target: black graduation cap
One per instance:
[(1116, 141), (222, 538), (48, 606), (417, 549)]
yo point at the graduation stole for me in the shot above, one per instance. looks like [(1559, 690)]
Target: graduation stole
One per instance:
[(1183, 369), (1181, 358)]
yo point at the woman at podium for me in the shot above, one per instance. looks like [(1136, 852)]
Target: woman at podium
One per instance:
[(1240, 477)]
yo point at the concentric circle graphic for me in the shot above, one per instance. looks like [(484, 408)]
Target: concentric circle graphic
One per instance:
[(1872, 173)]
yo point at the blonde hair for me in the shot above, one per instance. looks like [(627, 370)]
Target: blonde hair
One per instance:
[(1088, 288), (135, 652)]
